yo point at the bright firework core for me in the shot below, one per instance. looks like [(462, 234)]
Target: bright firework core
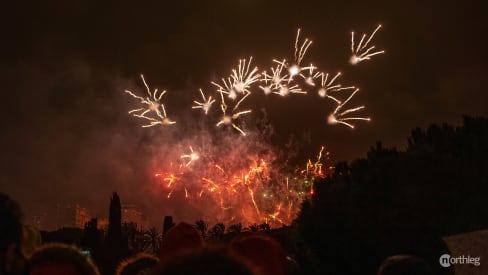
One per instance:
[(227, 120), (294, 70)]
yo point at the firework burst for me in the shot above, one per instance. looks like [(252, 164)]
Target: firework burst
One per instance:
[(361, 52), (205, 104), (239, 178), (230, 118), (328, 85), (311, 76), (338, 115), (274, 81), (153, 105), (192, 156), (243, 78), (300, 52)]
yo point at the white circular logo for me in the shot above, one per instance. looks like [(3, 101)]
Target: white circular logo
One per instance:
[(444, 260)]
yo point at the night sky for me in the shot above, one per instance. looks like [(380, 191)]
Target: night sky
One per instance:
[(67, 137)]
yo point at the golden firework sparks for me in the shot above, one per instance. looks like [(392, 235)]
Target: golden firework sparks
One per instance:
[(361, 52)]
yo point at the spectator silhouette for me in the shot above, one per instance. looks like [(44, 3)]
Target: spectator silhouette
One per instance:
[(261, 250), (180, 239), (12, 260), (139, 264), (404, 265), (205, 261), (56, 258), (31, 238)]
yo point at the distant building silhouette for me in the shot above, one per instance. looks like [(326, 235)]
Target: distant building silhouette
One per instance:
[(71, 215), (102, 224), (131, 214)]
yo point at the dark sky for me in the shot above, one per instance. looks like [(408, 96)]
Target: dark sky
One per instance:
[(66, 135)]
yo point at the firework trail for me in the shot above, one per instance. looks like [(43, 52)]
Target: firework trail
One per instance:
[(300, 52), (286, 89), (154, 104), (295, 68), (236, 87), (226, 88), (279, 82), (312, 75), (205, 104), (162, 118), (243, 78), (314, 170), (274, 81), (240, 80), (191, 157), (153, 100), (327, 85), (360, 53), (229, 119), (338, 115)]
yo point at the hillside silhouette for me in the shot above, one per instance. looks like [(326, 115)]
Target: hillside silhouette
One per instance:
[(401, 201)]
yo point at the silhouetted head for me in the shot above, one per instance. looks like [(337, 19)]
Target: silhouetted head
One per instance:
[(181, 238), (56, 258), (31, 238), (11, 256), (139, 264), (261, 250), (205, 261), (404, 265)]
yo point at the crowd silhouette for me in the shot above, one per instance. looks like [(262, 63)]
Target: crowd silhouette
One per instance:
[(384, 214)]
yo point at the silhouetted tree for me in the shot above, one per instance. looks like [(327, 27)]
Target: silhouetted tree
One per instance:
[(152, 236), (135, 237), (265, 227), (216, 232), (167, 224), (92, 240), (235, 228), (114, 218), (341, 168), (202, 226), (253, 227), (401, 202), (116, 246)]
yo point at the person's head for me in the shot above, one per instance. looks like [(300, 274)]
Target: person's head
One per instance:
[(56, 258), (11, 256), (31, 238), (205, 261), (404, 265), (181, 238), (139, 264), (261, 250)]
